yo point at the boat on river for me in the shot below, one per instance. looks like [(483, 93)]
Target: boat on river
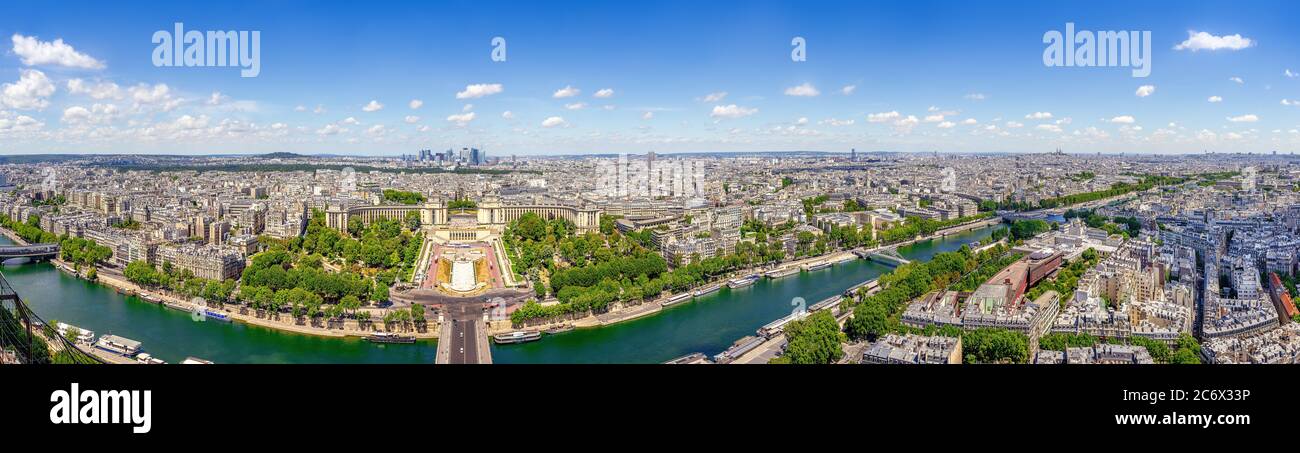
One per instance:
[(389, 337), (677, 299), (742, 282), (516, 337)]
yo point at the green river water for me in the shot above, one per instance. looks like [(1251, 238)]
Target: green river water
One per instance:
[(709, 324)]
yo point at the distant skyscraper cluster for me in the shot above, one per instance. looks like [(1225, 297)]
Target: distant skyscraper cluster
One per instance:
[(464, 156)]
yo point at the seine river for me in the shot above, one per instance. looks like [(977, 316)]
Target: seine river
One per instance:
[(709, 324)]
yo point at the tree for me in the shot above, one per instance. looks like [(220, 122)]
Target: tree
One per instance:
[(403, 197), (412, 220), (355, 226), (380, 294), (869, 322), (987, 345), (814, 340), (350, 303), (1025, 229), (606, 225)]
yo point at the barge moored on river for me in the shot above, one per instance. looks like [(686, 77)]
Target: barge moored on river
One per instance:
[(124, 347), (389, 337), (516, 337), (816, 267), (677, 299), (707, 290), (779, 273), (742, 282)]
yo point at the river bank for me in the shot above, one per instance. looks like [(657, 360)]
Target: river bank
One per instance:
[(241, 313), (172, 334), (624, 312), (113, 279)]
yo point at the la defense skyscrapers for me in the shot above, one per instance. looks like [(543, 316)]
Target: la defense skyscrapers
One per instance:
[(463, 156)]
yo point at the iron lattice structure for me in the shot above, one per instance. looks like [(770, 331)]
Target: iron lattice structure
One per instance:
[(25, 338)]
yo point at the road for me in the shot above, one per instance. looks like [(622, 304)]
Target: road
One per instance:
[(467, 334), (464, 346)]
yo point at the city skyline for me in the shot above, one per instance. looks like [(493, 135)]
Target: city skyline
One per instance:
[(607, 79)]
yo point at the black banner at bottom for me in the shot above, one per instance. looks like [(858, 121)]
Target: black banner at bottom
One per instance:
[(129, 402)]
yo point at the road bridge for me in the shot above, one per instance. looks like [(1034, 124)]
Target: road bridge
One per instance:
[(35, 251)]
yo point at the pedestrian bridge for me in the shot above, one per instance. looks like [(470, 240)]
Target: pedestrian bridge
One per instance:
[(889, 257), (34, 251)]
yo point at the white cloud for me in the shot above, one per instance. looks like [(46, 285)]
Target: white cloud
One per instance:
[(217, 98), (605, 93), (731, 111), (187, 122), (848, 89), (838, 122), (100, 90), (96, 114), (319, 109), (976, 97), (1215, 99), (970, 122), (508, 115), (576, 106), (300, 108), (648, 115), (411, 119), (479, 90), (350, 121), (373, 106), (415, 104), (1237, 79), (566, 92), (715, 97), (329, 129), (1123, 119), (1048, 128), (34, 52), (1039, 116), (377, 130), (21, 123), (1248, 118), (882, 117), (1015, 124), (1145, 90), (905, 125), (805, 90), (1290, 102), (933, 118), (467, 108), (1290, 74), (946, 125), (159, 95), (29, 92), (554, 121), (462, 119), (1197, 41)]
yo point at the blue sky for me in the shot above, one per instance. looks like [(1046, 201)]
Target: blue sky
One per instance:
[(926, 76)]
